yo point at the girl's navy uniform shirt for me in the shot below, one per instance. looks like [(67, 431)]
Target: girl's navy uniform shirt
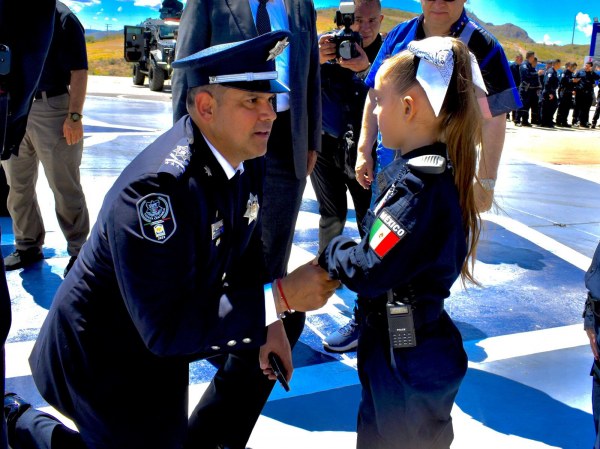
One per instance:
[(414, 235)]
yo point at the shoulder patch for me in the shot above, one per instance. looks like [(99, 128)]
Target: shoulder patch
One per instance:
[(385, 233), (157, 222), (178, 159)]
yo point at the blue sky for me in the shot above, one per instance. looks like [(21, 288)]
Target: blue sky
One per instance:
[(549, 21)]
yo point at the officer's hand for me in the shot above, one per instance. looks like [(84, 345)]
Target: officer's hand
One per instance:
[(308, 287), (593, 343), (358, 64), (483, 198), (73, 131), (326, 48), (364, 167), (278, 343), (311, 161)]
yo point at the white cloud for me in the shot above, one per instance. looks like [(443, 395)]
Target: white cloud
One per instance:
[(148, 3), (584, 23), (120, 9), (549, 41)]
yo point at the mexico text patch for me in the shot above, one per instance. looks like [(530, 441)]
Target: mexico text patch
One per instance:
[(157, 221), (385, 233)]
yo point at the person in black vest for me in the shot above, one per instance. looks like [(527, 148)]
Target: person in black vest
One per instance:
[(567, 86), (529, 88), (585, 93), (550, 95), (514, 70)]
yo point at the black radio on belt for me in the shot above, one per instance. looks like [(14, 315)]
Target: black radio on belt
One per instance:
[(401, 325)]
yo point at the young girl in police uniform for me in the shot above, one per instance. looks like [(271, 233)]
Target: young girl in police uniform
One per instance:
[(420, 237)]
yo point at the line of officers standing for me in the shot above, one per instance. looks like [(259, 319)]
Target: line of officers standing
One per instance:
[(545, 92)]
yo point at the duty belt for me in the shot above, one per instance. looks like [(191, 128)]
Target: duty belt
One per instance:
[(424, 312), (51, 92)]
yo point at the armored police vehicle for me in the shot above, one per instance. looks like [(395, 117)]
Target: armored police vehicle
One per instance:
[(151, 47)]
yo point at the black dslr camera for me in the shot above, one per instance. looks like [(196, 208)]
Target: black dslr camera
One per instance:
[(345, 39)]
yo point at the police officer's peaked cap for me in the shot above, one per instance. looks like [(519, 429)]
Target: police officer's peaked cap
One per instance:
[(247, 65)]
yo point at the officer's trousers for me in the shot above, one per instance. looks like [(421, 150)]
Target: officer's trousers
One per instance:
[(564, 106), (330, 181), (584, 100), (530, 100), (44, 142), (407, 394), (548, 109)]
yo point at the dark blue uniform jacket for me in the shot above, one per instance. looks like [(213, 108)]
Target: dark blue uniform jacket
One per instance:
[(173, 271), (425, 215)]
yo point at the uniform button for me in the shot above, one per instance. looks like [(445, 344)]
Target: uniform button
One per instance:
[(215, 348), (223, 277), (247, 340), (231, 343)]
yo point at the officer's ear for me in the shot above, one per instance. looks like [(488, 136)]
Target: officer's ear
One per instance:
[(204, 105)]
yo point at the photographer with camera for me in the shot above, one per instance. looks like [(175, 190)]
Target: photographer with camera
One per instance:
[(345, 56)]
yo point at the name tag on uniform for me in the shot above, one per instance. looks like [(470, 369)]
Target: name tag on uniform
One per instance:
[(217, 229)]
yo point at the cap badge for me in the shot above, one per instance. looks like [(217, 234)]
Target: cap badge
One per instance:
[(278, 49)]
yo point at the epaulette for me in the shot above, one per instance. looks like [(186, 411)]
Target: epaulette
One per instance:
[(429, 164), (178, 159)]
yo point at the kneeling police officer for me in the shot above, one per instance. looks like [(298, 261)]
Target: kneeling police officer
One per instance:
[(173, 272)]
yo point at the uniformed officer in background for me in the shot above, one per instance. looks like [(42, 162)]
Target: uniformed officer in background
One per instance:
[(591, 325), (516, 74), (549, 95), (585, 93), (173, 272), (566, 87), (529, 88)]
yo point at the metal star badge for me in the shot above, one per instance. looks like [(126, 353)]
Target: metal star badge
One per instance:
[(252, 207), (278, 49)]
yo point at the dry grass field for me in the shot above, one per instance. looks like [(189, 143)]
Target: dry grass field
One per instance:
[(106, 54)]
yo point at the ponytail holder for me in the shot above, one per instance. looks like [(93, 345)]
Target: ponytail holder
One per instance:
[(436, 66)]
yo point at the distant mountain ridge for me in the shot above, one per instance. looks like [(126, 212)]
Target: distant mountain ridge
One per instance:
[(508, 30)]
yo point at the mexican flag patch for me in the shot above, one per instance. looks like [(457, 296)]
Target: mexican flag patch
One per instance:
[(385, 233)]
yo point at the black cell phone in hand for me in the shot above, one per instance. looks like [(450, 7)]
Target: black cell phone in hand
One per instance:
[(276, 367)]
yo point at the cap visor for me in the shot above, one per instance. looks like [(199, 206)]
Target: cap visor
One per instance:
[(267, 86)]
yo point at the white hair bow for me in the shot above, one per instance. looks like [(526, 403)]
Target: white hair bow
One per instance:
[(436, 67)]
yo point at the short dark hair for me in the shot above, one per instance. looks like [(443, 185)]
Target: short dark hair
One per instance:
[(529, 54)]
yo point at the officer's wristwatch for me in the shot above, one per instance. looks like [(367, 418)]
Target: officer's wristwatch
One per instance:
[(75, 116)]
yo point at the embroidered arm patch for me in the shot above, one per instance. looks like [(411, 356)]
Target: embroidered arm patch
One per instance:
[(155, 214), (385, 233)]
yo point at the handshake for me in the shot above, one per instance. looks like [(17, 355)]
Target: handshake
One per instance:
[(306, 288)]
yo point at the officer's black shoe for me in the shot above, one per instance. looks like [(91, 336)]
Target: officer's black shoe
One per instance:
[(593, 125), (529, 125), (69, 265), (14, 406), (22, 258), (518, 124)]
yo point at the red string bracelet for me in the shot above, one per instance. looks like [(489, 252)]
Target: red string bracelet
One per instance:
[(283, 298)]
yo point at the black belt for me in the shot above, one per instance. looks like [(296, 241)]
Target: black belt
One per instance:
[(51, 92), (424, 312)]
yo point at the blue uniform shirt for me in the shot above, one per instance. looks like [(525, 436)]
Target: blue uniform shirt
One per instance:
[(502, 94)]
